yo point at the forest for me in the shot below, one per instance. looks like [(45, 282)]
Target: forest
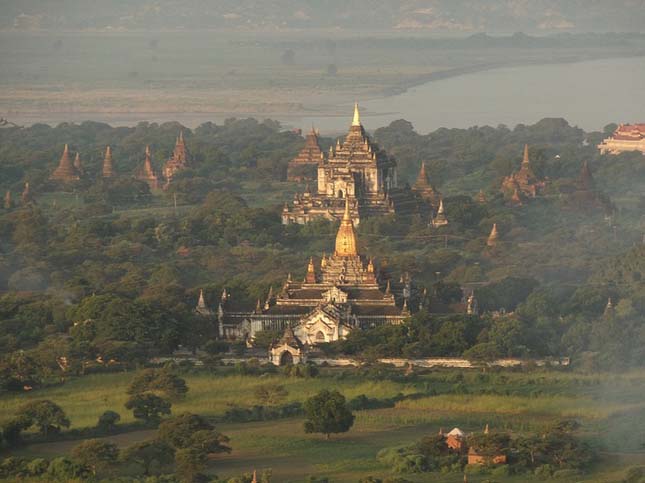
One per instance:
[(100, 278), (108, 270)]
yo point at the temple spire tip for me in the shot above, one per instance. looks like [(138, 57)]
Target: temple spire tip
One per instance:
[(357, 116)]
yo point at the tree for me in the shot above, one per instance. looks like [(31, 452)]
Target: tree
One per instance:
[(48, 416), (96, 454), (189, 464), (327, 413), (164, 381), (187, 430), (178, 431), (148, 407), (154, 457), (270, 394), (107, 421)]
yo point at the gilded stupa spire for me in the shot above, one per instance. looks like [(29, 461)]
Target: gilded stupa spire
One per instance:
[(311, 272), (493, 237), (346, 243), (525, 158), (356, 121)]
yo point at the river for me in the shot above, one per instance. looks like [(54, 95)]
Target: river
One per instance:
[(588, 94)]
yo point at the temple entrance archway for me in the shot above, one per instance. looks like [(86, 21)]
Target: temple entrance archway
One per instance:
[(320, 337), (286, 359)]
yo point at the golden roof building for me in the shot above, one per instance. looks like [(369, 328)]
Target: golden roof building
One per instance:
[(359, 170), (344, 292)]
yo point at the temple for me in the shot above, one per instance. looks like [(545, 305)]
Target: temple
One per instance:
[(108, 165), (493, 237), (584, 195), (65, 172), (146, 173), (304, 166), (355, 169), (626, 137), (425, 189), (524, 181), (340, 293), (179, 159)]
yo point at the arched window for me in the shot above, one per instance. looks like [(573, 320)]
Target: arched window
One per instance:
[(340, 194), (320, 337)]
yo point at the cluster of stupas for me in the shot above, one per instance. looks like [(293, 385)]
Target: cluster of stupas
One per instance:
[(70, 172), (523, 183), (25, 198)]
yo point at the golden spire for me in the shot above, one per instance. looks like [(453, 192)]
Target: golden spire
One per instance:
[(311, 272), (493, 237), (346, 243), (357, 116), (525, 159)]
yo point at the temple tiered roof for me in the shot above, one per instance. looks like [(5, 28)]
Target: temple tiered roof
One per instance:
[(342, 292), (65, 172), (179, 160), (424, 188), (524, 181), (305, 165), (108, 164), (355, 168)]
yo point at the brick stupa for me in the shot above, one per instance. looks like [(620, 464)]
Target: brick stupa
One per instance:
[(304, 166), (65, 171), (146, 173)]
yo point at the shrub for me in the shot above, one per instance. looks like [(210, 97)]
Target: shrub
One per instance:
[(48, 416), (37, 466), (148, 407), (107, 421), (568, 473), (95, 454), (63, 469), (635, 474), (162, 381)]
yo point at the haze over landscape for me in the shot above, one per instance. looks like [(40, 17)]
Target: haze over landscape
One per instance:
[(366, 241)]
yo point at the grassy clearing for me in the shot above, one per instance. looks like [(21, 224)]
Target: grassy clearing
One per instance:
[(610, 406), (85, 399)]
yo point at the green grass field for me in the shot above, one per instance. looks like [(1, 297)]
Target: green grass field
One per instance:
[(607, 405)]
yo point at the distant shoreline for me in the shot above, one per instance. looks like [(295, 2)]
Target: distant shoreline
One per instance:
[(289, 119)]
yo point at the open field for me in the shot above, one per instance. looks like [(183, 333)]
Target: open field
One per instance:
[(609, 406)]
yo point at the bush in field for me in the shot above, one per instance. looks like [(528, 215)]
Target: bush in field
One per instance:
[(107, 421), (64, 469), (301, 370), (95, 454), (327, 412), (48, 416), (271, 394), (403, 460), (148, 407), (37, 466), (159, 381)]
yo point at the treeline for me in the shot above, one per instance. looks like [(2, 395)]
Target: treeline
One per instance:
[(80, 282)]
